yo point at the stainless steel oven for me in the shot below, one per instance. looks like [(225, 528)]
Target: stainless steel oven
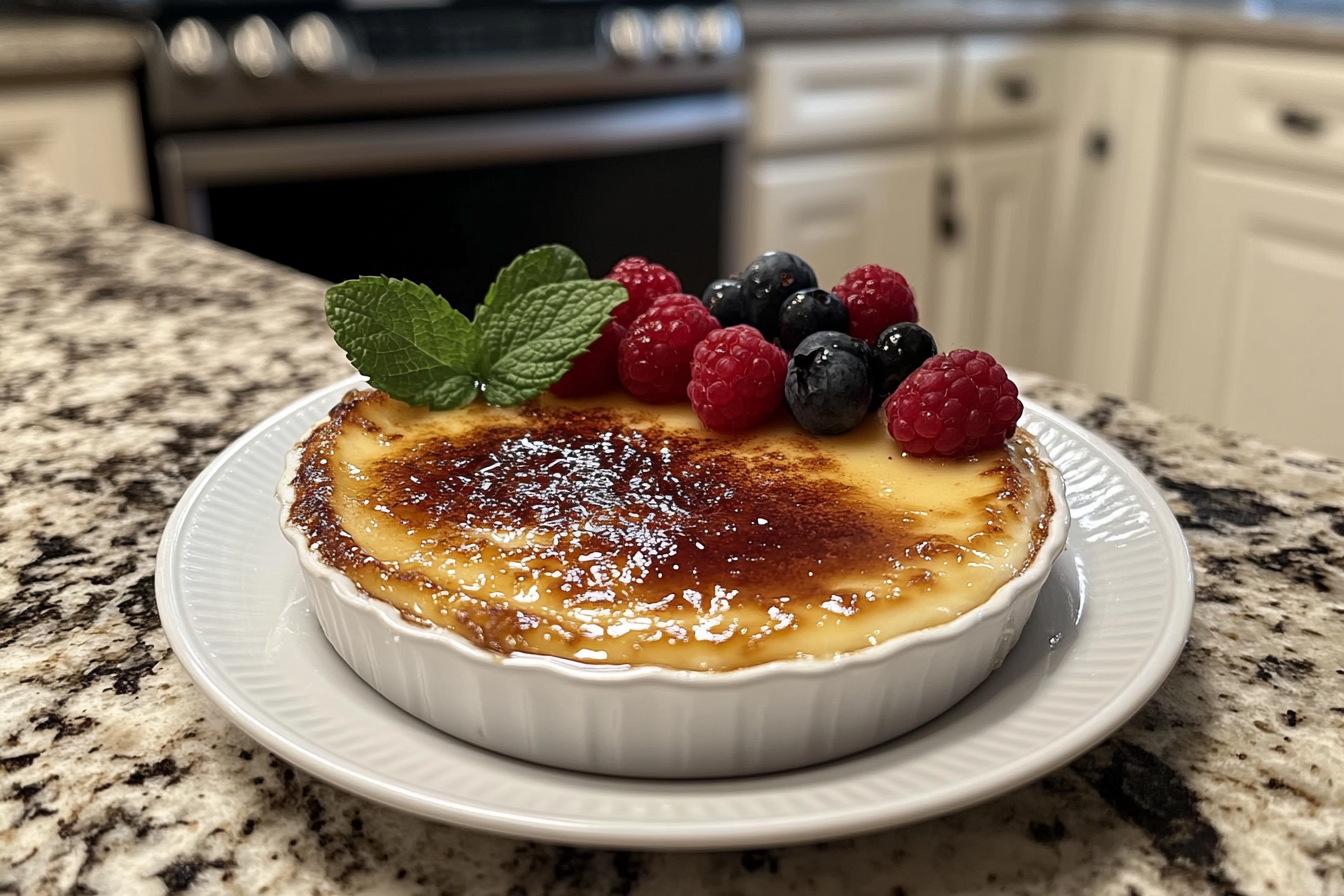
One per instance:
[(436, 143)]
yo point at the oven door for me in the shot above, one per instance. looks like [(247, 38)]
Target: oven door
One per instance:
[(449, 201)]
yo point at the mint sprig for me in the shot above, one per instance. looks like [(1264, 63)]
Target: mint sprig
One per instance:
[(540, 313)]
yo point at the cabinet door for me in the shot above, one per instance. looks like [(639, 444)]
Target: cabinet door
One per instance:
[(1108, 194), (83, 137), (1248, 334), (839, 211), (989, 264)]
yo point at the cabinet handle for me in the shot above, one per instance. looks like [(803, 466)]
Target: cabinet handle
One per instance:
[(1015, 89), (1305, 124), (949, 227), (1099, 144)]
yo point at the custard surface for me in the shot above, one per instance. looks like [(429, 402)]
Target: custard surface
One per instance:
[(608, 531)]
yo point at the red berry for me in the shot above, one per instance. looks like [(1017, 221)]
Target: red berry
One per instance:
[(594, 371), (876, 297), (654, 359), (953, 405), (737, 378), (644, 281)]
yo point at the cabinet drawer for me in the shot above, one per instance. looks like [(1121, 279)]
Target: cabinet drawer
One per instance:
[(1007, 82), (814, 95), (1281, 106)]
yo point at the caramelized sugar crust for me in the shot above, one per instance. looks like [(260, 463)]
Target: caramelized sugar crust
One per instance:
[(620, 533)]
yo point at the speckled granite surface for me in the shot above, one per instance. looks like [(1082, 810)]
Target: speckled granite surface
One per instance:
[(130, 355)]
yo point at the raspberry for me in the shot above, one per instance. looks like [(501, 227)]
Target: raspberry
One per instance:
[(654, 359), (953, 405), (594, 371), (737, 378), (876, 297), (644, 281)]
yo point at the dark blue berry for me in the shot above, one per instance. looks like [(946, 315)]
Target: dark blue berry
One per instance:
[(810, 311), (767, 282), (898, 352), (723, 298), (829, 384)]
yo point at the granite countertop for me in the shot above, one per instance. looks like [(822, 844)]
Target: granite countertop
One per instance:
[(1255, 21), (131, 354), (33, 46)]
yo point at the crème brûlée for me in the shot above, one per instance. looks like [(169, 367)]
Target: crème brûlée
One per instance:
[(611, 532)]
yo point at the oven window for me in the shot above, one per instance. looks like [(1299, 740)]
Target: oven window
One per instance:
[(453, 230)]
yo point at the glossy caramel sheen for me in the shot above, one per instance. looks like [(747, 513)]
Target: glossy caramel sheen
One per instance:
[(612, 532)]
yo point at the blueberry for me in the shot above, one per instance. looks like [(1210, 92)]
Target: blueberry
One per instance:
[(723, 298), (829, 384), (898, 353), (810, 311), (767, 282)]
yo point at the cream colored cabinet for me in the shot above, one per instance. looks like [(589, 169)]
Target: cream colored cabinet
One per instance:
[(842, 155), (991, 204), (992, 198), (1252, 300), (1250, 334), (83, 136), (1108, 198), (841, 210)]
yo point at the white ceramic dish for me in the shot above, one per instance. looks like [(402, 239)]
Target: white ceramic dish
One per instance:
[(648, 721), (1109, 624)]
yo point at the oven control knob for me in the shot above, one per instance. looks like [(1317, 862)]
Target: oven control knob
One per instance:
[(628, 33), (259, 48), (318, 45), (718, 31), (195, 48), (674, 32)]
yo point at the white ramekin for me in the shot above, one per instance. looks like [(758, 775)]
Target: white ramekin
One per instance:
[(650, 721)]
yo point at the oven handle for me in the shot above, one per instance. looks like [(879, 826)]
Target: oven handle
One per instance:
[(190, 163)]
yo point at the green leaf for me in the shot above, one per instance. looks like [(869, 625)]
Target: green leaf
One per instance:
[(528, 341), (407, 340), (543, 265)]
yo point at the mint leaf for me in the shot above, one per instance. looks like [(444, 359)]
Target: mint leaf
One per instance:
[(543, 265), (407, 340), (529, 340)]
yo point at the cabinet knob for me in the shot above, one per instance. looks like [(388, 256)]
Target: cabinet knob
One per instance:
[(259, 48), (195, 48), (1099, 144), (1304, 124), (1015, 89)]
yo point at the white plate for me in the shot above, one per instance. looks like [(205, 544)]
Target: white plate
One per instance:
[(1108, 627)]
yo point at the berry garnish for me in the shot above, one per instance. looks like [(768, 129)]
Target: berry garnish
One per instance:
[(594, 371), (876, 297), (953, 406), (723, 298), (829, 384), (654, 359), (898, 353), (644, 281), (767, 282), (737, 378), (810, 311)]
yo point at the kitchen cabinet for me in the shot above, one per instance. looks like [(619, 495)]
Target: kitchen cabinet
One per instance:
[(1247, 333), (841, 210), (842, 154), (83, 136), (991, 202), (929, 156), (1250, 334), (1108, 199)]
